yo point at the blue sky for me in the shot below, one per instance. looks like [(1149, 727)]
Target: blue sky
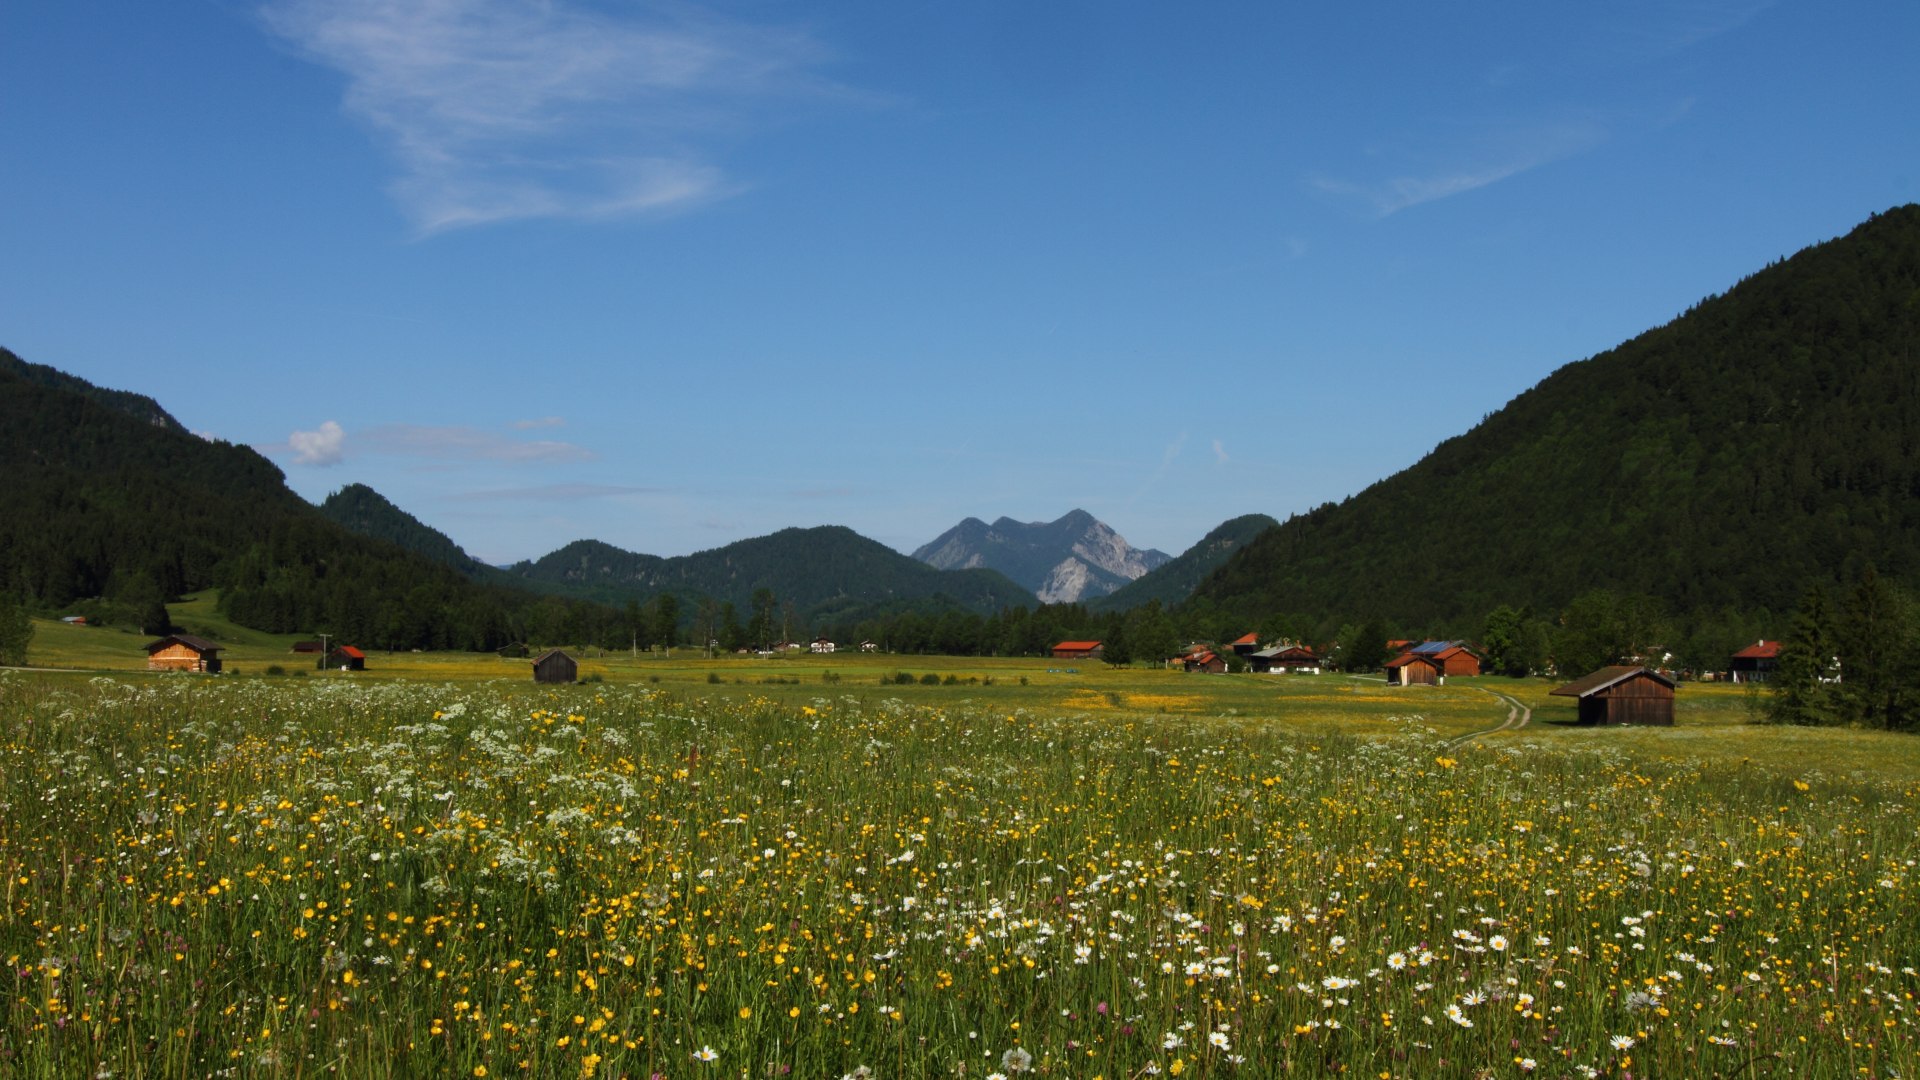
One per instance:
[(672, 275)]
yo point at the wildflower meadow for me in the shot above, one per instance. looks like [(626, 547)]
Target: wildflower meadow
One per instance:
[(249, 877)]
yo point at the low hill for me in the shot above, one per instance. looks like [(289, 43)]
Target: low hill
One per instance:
[(825, 573), (1174, 581), (1763, 440), (360, 509)]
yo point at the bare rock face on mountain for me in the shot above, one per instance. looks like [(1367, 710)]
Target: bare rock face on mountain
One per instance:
[(1075, 558)]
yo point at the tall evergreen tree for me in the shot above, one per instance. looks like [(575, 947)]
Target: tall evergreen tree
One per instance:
[(1874, 637), (1803, 692), (16, 631)]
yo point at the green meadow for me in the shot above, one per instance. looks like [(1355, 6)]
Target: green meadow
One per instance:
[(694, 867)]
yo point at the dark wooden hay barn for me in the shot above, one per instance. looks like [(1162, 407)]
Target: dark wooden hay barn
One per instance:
[(1627, 694), (554, 666)]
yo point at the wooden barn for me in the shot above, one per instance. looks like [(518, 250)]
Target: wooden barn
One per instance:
[(1413, 669), (1454, 657), (183, 652), (1078, 650), (1756, 663), (554, 666), (1245, 646), (308, 647), (344, 658), (515, 651), (1626, 694), (1285, 660)]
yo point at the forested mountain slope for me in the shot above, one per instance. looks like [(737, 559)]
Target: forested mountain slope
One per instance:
[(108, 498), (1765, 439), (1173, 581), (360, 509)]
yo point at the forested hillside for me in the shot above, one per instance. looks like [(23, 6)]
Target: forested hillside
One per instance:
[(1174, 581), (360, 509), (824, 574), (110, 504), (1765, 440)]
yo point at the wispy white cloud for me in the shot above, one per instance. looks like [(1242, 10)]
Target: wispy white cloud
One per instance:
[(1488, 159), (541, 422), (456, 443), (325, 445), (498, 110), (1220, 452), (554, 493)]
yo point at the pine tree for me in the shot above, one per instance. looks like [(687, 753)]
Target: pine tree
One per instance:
[(16, 631), (1803, 691)]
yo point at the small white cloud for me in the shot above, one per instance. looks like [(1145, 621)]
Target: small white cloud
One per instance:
[(1220, 452), (323, 446), (542, 422)]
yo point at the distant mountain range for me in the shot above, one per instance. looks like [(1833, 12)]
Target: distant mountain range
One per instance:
[(828, 573), (1073, 559)]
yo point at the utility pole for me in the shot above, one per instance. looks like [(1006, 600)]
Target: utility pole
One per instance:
[(323, 652)]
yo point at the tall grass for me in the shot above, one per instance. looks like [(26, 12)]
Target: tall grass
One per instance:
[(261, 878)]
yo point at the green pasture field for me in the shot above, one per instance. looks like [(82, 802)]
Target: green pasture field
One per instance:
[(440, 870)]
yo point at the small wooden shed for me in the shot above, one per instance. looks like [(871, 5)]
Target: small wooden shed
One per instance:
[(183, 652), (1625, 694), (554, 666), (344, 658), (515, 651), (1413, 669), (1206, 660)]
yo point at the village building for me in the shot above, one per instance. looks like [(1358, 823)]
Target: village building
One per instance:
[(308, 647), (344, 658), (1205, 660), (1756, 663), (1285, 660), (554, 666), (868, 646), (1625, 694), (517, 650), (821, 645), (1245, 646), (1078, 650), (1414, 669), (183, 652), (1454, 657)]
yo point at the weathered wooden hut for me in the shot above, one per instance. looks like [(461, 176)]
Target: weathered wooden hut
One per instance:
[(344, 658), (554, 666), (308, 647), (183, 652), (1078, 650), (1413, 669), (1624, 694), (515, 651)]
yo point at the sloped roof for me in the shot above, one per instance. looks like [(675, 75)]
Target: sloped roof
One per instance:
[(1764, 650), (197, 644), (1281, 650), (1247, 639), (348, 650), (1607, 677), (1406, 658), (1077, 645), (545, 656)]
